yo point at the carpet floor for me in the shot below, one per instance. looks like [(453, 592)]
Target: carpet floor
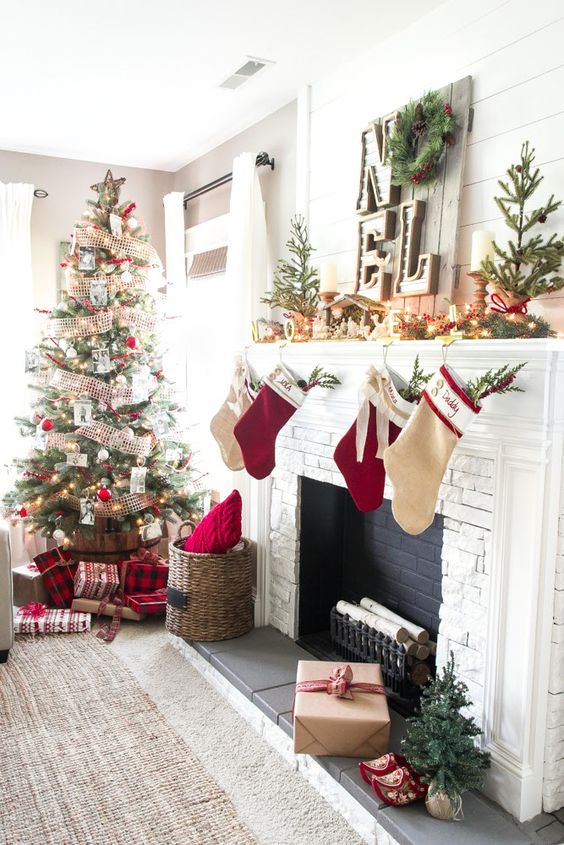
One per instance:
[(88, 758), (70, 682)]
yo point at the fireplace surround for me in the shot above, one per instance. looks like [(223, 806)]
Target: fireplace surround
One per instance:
[(502, 560)]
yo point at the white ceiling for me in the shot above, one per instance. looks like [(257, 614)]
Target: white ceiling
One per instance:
[(135, 83)]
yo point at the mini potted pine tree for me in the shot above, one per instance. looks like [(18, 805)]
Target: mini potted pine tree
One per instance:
[(296, 282), (529, 265), (439, 744)]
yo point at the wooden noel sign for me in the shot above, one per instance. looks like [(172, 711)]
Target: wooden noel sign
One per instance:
[(407, 235)]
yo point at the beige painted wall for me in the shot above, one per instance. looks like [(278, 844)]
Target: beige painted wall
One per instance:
[(276, 135), (68, 184)]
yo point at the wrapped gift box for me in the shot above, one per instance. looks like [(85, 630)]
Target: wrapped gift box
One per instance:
[(35, 618), (58, 570), (337, 717), (154, 602), (96, 580), (140, 577), (92, 605), (28, 585)]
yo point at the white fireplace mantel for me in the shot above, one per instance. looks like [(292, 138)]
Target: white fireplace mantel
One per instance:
[(521, 435)]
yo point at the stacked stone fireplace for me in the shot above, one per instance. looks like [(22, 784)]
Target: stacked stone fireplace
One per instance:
[(486, 588)]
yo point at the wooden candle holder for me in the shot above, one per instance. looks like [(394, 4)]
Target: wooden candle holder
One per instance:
[(480, 292)]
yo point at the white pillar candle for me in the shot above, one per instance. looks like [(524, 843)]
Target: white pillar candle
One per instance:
[(481, 249), (327, 278)]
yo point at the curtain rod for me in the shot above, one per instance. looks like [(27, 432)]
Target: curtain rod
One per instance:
[(262, 160)]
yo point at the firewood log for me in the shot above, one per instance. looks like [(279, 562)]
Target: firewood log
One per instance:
[(360, 614), (420, 635)]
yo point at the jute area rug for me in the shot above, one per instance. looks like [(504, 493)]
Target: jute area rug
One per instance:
[(87, 759)]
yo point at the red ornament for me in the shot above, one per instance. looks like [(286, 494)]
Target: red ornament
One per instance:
[(23, 512), (156, 510), (104, 494), (448, 108), (131, 342), (46, 425)]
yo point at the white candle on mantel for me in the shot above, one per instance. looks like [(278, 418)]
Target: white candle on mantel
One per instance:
[(481, 249), (327, 278)]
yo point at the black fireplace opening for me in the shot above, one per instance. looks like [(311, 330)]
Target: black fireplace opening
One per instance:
[(346, 554)]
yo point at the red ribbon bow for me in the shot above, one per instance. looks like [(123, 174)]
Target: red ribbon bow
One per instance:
[(340, 683), (502, 308), (33, 610)]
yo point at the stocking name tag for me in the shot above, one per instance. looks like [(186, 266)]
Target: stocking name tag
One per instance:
[(448, 400)]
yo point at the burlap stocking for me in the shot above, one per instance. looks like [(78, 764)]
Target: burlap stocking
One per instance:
[(239, 399), (417, 461)]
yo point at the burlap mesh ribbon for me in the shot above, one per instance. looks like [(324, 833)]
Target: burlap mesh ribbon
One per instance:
[(96, 389), (126, 504), (88, 236), (116, 438), (79, 284), (80, 326), (139, 320)]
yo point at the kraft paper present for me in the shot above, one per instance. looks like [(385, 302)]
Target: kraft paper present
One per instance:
[(28, 585), (92, 605), (325, 724)]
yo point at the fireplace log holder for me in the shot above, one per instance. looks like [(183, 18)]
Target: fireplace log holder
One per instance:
[(358, 642)]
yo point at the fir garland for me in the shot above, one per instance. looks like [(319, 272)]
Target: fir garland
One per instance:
[(474, 325), (412, 162)]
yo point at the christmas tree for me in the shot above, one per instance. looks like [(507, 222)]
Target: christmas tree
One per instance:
[(108, 453), (296, 282), (439, 743), (528, 266)]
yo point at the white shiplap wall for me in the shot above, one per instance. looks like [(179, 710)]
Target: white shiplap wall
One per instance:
[(512, 49)]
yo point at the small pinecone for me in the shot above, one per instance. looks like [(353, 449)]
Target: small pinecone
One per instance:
[(518, 168), (163, 481), (448, 138), (542, 218), (419, 126)]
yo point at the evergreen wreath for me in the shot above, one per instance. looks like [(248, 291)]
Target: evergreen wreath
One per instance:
[(412, 162)]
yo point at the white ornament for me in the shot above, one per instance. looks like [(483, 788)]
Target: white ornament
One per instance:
[(128, 431), (132, 222), (121, 379), (61, 306), (127, 276), (63, 344), (71, 352), (103, 455), (58, 536)]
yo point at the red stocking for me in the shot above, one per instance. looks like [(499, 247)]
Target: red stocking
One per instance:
[(256, 431), (382, 415)]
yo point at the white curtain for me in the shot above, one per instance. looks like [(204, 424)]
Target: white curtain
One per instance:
[(247, 253), (16, 317), (175, 357)]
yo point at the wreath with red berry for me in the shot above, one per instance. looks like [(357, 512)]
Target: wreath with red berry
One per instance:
[(421, 133)]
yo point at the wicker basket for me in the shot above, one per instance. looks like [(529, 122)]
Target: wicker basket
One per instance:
[(209, 596)]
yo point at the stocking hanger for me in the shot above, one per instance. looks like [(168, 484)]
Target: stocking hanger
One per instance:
[(446, 343), (386, 343)]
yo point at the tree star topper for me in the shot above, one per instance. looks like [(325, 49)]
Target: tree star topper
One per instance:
[(108, 190)]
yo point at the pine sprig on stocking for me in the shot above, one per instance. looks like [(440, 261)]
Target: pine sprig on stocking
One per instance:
[(416, 384), (321, 378), (494, 381)]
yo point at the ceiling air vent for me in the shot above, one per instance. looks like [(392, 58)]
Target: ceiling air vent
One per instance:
[(244, 73)]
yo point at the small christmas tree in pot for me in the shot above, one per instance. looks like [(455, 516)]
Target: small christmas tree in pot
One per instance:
[(440, 744), (296, 282), (528, 267)]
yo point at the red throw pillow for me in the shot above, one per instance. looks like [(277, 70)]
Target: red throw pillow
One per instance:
[(220, 530)]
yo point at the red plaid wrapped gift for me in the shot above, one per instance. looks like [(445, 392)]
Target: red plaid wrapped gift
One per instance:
[(36, 618), (154, 602), (58, 570), (140, 577), (96, 580)]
